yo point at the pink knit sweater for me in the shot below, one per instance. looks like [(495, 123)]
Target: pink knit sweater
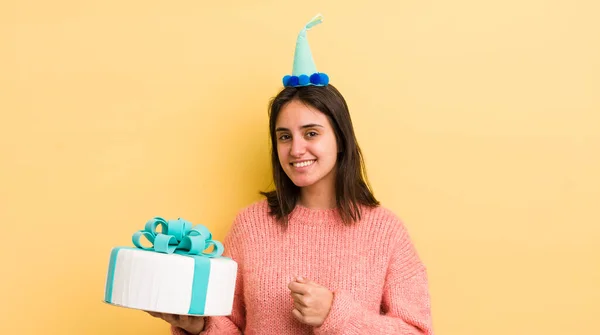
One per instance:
[(378, 281)]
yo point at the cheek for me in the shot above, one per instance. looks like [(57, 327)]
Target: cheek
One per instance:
[(281, 153), (327, 150)]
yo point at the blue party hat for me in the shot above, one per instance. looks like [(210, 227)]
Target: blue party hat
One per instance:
[(304, 72)]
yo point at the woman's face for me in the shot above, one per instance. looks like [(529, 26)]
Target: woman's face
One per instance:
[(306, 145)]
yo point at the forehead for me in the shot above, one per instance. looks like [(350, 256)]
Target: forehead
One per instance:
[(296, 113)]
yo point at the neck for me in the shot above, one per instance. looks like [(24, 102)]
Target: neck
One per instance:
[(318, 196)]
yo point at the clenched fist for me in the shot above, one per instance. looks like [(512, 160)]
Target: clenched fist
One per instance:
[(312, 301)]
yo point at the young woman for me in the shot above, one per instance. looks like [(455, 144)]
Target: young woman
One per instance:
[(319, 255)]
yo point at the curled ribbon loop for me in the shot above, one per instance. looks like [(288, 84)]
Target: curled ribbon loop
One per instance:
[(179, 237)]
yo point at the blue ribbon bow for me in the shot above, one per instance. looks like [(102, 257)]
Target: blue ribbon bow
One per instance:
[(178, 236)]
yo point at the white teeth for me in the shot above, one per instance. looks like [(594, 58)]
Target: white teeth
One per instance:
[(303, 164)]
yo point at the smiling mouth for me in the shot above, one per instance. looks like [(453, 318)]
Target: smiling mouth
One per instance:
[(304, 163)]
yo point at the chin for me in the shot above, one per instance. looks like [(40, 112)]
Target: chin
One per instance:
[(301, 182)]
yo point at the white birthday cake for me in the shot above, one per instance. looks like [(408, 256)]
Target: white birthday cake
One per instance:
[(175, 275)]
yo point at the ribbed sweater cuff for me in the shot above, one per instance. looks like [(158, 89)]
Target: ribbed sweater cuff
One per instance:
[(220, 325), (348, 317), (214, 325), (340, 316)]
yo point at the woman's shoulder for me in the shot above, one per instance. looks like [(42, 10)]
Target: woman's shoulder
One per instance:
[(248, 218), (381, 213), (391, 228), (256, 208), (383, 218), (254, 212)]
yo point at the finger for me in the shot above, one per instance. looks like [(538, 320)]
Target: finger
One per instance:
[(306, 281), (298, 306), (184, 320), (299, 299), (154, 314), (297, 287), (296, 313), (171, 318), (305, 311)]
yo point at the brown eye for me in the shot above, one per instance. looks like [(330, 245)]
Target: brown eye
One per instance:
[(284, 137), (311, 134)]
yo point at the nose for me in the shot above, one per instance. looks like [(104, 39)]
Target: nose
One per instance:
[(298, 147)]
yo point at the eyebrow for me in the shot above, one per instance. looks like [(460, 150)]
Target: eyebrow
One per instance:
[(310, 125)]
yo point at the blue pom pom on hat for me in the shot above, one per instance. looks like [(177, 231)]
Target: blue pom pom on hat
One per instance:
[(304, 71)]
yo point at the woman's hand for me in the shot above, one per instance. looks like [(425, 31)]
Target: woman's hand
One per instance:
[(312, 301), (191, 324)]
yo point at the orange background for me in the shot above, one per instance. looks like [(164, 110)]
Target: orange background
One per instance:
[(479, 122)]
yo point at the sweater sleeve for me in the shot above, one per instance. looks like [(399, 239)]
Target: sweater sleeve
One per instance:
[(234, 323), (405, 304)]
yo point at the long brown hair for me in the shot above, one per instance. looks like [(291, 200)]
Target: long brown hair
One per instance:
[(351, 185)]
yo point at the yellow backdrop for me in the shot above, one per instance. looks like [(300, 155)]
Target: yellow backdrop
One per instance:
[(479, 121)]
